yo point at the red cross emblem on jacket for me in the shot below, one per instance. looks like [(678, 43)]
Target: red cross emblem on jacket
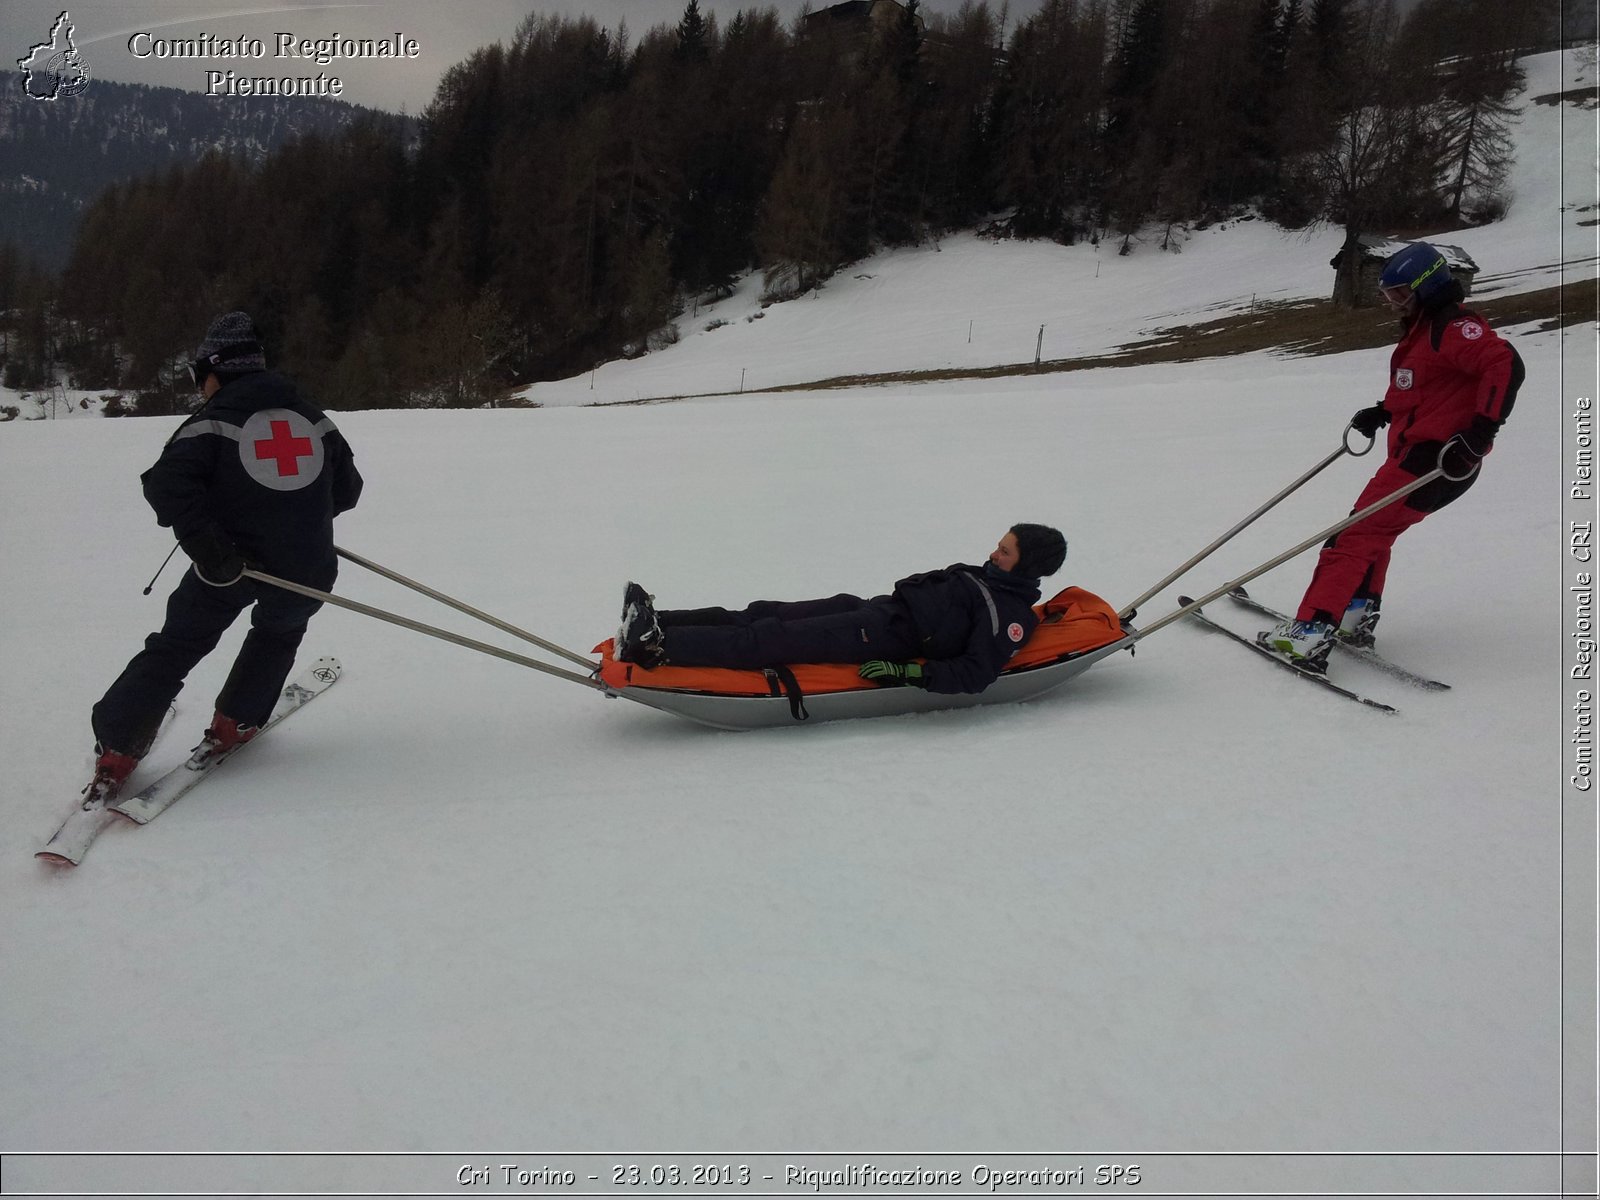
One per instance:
[(287, 449), (281, 449)]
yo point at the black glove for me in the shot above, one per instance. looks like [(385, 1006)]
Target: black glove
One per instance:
[(1465, 449), (1480, 434), (216, 559), (892, 674), (1368, 421), (1459, 457), (1422, 458)]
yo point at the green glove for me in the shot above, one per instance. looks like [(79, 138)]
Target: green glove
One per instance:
[(892, 674)]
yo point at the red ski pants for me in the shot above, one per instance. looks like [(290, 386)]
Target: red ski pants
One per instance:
[(1355, 561)]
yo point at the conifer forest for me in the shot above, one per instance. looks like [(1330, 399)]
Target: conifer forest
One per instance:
[(568, 195)]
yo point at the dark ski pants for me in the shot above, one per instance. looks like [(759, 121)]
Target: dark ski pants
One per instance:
[(1355, 561), (769, 633), (128, 715)]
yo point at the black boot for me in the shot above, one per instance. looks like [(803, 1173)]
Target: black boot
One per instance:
[(639, 639)]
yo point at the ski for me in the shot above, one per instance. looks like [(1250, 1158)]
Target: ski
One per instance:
[(1365, 653), (69, 843), (151, 801), (1312, 676)]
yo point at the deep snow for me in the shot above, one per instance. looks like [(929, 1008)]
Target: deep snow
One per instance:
[(1186, 903)]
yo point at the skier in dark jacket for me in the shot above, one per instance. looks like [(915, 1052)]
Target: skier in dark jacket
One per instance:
[(1452, 382), (254, 477), (965, 621)]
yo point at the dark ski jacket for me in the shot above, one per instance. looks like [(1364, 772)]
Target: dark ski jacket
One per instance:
[(970, 621), (264, 468)]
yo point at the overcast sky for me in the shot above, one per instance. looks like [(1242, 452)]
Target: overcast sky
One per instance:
[(446, 31)]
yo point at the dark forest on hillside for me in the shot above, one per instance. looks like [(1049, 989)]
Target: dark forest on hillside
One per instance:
[(576, 190)]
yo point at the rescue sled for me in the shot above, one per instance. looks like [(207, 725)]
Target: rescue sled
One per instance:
[(1076, 630)]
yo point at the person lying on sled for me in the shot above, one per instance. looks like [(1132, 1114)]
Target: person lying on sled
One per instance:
[(965, 621)]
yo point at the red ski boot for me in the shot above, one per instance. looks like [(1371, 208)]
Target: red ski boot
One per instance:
[(225, 735), (111, 771)]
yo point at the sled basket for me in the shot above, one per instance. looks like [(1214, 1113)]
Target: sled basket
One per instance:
[(1076, 629)]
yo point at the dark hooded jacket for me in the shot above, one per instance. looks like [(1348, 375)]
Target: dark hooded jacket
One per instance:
[(970, 621), (265, 469)]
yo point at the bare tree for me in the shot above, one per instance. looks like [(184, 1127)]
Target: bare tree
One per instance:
[(1383, 142)]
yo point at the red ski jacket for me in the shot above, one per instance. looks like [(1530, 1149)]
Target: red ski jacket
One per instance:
[(1448, 368)]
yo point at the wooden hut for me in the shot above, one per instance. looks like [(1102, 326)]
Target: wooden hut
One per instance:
[(1376, 250)]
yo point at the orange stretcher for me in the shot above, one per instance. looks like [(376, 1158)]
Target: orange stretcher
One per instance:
[(1076, 628)]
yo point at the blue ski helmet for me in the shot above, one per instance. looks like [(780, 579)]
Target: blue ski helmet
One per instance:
[(1419, 267)]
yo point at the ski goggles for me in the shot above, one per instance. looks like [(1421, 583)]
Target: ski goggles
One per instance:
[(210, 364)]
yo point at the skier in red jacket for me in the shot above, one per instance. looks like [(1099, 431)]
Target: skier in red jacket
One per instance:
[(1452, 382)]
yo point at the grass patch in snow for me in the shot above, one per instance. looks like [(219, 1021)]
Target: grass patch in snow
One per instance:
[(1302, 327)]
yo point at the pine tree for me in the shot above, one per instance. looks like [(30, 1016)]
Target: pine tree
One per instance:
[(1265, 67), (892, 155), (1469, 60), (1137, 138), (802, 235), (1138, 61), (1290, 23), (729, 150), (1049, 111), (957, 135), (1329, 28), (692, 41), (10, 276)]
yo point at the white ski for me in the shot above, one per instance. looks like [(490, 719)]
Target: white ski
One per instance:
[(150, 802), (71, 842), (1365, 653), (1305, 673)]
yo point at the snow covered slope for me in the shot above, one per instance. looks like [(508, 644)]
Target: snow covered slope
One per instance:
[(1186, 903), (970, 302)]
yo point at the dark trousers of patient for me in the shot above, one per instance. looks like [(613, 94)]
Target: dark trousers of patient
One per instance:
[(769, 633)]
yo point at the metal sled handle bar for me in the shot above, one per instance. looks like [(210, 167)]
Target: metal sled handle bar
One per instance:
[(459, 606), (1344, 448), (443, 635), (1399, 494)]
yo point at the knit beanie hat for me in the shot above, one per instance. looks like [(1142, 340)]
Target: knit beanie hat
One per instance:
[(232, 345), (1041, 550)]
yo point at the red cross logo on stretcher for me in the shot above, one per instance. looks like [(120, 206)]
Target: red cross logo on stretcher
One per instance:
[(281, 449)]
